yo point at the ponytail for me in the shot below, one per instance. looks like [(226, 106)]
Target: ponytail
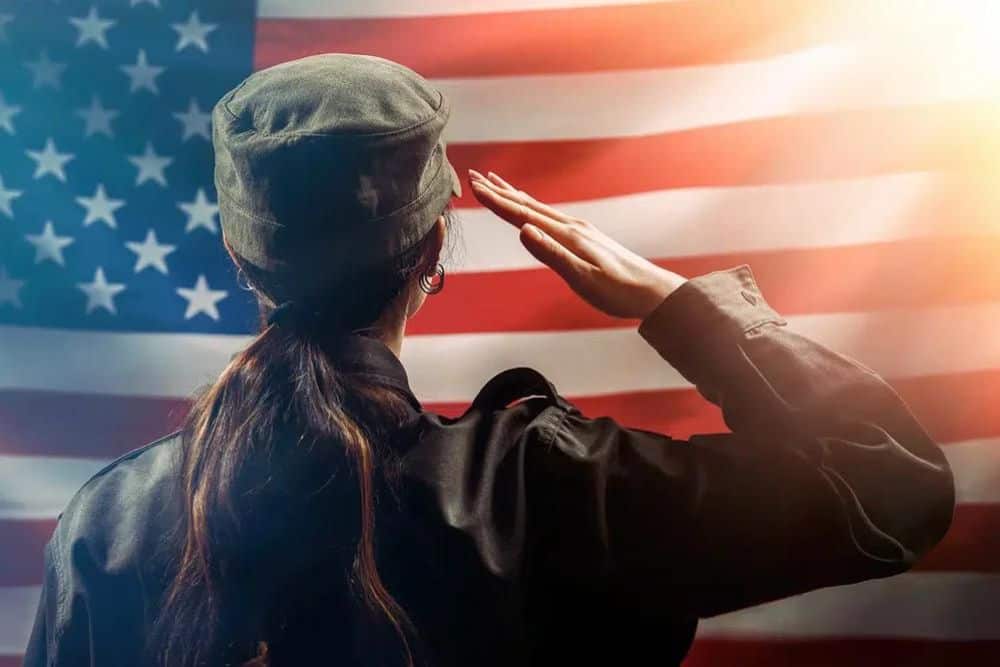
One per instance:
[(265, 444)]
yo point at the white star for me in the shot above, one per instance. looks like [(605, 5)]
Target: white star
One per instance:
[(155, 3), (142, 74), (7, 113), (92, 28), (101, 293), (150, 166), (97, 119), (193, 32), (9, 288), (50, 161), (45, 71), (201, 299), (6, 197), (48, 245), (150, 253), (195, 121), (99, 207), (4, 20), (200, 212)]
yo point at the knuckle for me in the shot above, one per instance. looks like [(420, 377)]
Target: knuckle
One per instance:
[(576, 233), (587, 274)]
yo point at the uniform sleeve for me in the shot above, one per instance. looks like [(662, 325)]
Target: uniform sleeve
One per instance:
[(825, 479), (64, 627), (53, 643), (36, 652)]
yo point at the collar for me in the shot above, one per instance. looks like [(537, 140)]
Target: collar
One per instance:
[(365, 355)]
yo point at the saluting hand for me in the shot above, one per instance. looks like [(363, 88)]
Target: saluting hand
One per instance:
[(603, 272)]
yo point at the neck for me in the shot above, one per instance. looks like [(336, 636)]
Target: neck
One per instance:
[(394, 341), (391, 328)]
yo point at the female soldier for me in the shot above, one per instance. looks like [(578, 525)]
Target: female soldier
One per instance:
[(311, 512)]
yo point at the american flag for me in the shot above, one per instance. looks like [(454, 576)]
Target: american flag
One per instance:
[(848, 150)]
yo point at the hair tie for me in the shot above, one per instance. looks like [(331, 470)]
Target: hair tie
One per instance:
[(285, 310), (289, 312)]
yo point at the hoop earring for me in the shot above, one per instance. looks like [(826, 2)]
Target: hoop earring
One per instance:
[(243, 284), (425, 280)]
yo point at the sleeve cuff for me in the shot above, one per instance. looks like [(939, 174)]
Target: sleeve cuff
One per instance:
[(707, 310)]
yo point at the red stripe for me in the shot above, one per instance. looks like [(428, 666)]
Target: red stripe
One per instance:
[(793, 149), (953, 407), (957, 406), (853, 651), (554, 41), (53, 423), (23, 546), (972, 544), (917, 273)]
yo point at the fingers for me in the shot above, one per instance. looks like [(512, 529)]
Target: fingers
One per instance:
[(530, 201), (556, 256), (506, 204), (511, 210)]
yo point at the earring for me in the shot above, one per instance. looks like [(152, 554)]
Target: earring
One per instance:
[(425, 280), (243, 284)]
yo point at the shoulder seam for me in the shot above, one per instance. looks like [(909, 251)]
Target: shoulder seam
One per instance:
[(112, 464), (132, 454), (53, 549), (556, 424)]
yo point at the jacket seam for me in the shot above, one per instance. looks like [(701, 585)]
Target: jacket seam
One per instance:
[(441, 111), (130, 455), (556, 425), (60, 628)]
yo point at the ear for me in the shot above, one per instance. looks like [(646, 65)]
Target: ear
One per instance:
[(434, 247), (432, 253)]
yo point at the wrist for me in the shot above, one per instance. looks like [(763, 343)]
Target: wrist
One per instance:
[(666, 283), (720, 305)]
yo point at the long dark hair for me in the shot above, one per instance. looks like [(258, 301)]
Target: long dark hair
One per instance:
[(276, 434)]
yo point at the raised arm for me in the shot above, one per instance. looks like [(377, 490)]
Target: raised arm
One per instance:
[(826, 478)]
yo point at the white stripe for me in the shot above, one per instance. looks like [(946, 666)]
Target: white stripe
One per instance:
[(17, 614), (918, 605), (976, 465), (38, 487), (453, 367), (640, 102), (931, 605), (703, 221), (343, 9)]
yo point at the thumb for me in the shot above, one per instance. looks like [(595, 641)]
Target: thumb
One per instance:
[(550, 252)]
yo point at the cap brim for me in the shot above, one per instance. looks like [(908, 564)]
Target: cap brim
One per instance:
[(456, 184)]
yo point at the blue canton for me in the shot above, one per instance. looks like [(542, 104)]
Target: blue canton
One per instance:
[(108, 216)]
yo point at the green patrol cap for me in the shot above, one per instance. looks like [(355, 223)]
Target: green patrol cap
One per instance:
[(330, 162)]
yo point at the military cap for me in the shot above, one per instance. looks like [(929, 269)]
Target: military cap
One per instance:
[(330, 162)]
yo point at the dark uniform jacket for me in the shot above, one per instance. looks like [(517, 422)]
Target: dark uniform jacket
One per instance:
[(530, 533)]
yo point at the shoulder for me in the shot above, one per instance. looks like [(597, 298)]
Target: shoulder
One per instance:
[(139, 469), (467, 473), (512, 402), (119, 514), (102, 562)]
